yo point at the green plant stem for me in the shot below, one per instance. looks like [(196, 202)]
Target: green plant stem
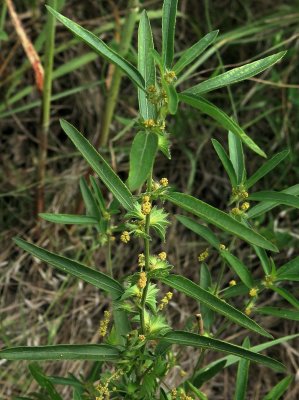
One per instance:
[(108, 258), (46, 106), (125, 41), (147, 256)]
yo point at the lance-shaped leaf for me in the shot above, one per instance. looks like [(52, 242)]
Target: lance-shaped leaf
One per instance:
[(67, 219), (173, 99), (81, 271), (205, 374), (142, 157), (279, 312), (236, 156), (280, 198), (218, 218), (239, 268), (242, 375), (264, 259), (44, 381), (168, 30), (266, 206), (146, 65), (190, 288), (99, 165), (100, 47), (289, 297), (99, 352), (200, 230), (226, 162), (236, 75), (278, 390), (266, 168), (194, 51), (230, 360), (92, 208), (195, 340), (221, 117)]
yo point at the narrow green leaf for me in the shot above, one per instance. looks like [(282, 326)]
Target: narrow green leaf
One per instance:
[(206, 283), (236, 156), (81, 271), (44, 381), (218, 218), (200, 230), (146, 65), (205, 374), (173, 99), (264, 259), (239, 268), (221, 117), (92, 208), (236, 74), (190, 288), (281, 198), (195, 340), (266, 168), (100, 47), (266, 206), (98, 194), (289, 297), (242, 375), (69, 219), (200, 395), (194, 51), (99, 165), (227, 164), (168, 30), (279, 389), (230, 360), (99, 352), (142, 157), (279, 312)]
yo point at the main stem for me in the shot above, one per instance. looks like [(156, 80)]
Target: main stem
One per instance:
[(46, 103), (147, 256)]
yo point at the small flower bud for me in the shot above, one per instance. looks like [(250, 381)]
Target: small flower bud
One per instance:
[(253, 292), (248, 310), (149, 123), (146, 208), (222, 247), (203, 256), (142, 280), (125, 237), (164, 182), (232, 283), (236, 211), (162, 256), (245, 206)]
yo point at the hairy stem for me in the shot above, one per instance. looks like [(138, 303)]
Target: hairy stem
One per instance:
[(147, 255)]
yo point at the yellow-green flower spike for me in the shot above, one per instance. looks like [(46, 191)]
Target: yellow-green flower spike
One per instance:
[(142, 280), (164, 182), (253, 292), (245, 206), (149, 123), (125, 237), (203, 256), (162, 256)]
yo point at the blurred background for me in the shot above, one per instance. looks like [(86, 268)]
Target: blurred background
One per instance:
[(41, 306)]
